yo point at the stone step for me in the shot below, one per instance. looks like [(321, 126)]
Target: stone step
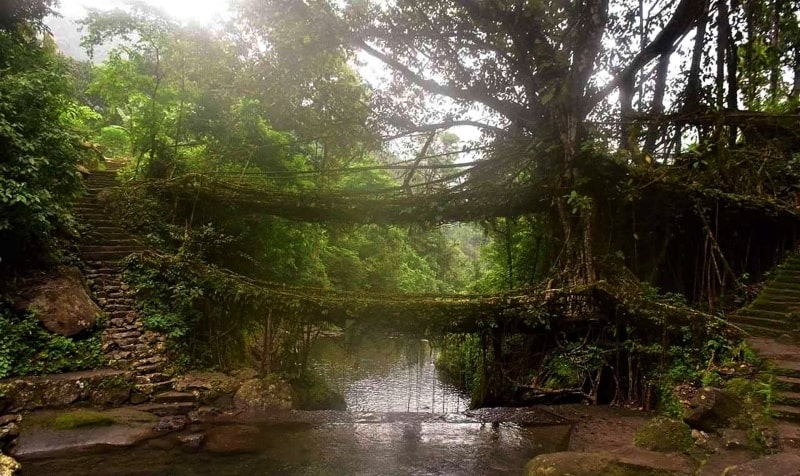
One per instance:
[(120, 314), (154, 387), (175, 397), (782, 306), (89, 207), (106, 230), (774, 324), (125, 335), (128, 249), (784, 284), (790, 384), (152, 378), (786, 412), (115, 308), (149, 368), (104, 255), (120, 235), (787, 368), (103, 265), (771, 292), (787, 398), (762, 331), (166, 409), (763, 314)]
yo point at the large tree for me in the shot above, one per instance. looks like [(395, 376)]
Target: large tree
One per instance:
[(534, 69)]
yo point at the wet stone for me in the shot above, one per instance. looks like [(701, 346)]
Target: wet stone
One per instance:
[(194, 440), (171, 423)]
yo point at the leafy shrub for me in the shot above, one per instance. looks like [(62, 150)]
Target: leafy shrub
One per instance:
[(27, 348), (38, 174)]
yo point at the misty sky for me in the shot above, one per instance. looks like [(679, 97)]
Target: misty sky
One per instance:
[(201, 11)]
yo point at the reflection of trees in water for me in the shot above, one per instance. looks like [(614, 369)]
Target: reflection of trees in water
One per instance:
[(396, 374)]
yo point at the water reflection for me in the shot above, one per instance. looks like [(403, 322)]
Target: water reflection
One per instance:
[(380, 374)]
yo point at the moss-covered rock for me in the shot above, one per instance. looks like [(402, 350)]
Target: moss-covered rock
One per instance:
[(570, 463), (310, 392), (712, 408), (210, 388), (262, 394), (664, 435), (81, 419)]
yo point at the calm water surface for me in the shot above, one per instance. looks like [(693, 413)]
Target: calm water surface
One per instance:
[(402, 420)]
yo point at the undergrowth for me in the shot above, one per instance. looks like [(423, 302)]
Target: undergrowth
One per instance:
[(26, 348)]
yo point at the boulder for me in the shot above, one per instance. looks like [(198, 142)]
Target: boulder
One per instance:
[(712, 408), (573, 463), (61, 302), (8, 466), (210, 388), (245, 373), (664, 435), (734, 439), (782, 464), (264, 394)]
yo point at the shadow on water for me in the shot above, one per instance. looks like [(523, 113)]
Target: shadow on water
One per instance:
[(402, 420)]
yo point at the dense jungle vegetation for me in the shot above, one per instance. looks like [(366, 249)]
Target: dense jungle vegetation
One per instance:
[(638, 159)]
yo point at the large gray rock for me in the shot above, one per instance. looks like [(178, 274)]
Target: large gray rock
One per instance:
[(783, 464), (712, 408), (8, 466), (61, 302), (264, 394)]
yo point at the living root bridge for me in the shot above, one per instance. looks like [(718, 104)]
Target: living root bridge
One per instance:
[(388, 206), (530, 311)]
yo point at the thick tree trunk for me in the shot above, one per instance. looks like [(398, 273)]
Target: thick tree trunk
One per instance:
[(693, 84)]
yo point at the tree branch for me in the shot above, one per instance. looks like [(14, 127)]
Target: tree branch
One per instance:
[(682, 21), (508, 109)]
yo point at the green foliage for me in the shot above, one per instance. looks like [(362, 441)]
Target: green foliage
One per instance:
[(665, 435), (114, 140), (38, 174), (26, 348)]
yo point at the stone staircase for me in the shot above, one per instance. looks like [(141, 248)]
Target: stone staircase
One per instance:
[(104, 244), (772, 322)]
